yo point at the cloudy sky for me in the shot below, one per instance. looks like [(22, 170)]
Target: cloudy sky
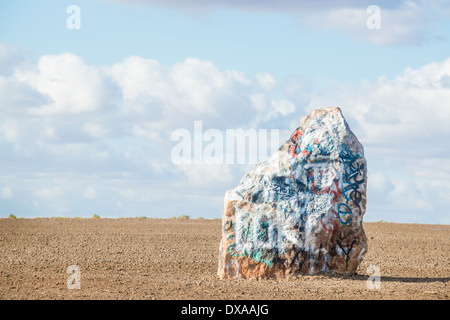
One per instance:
[(89, 102)]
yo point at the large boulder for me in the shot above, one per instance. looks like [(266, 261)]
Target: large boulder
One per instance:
[(301, 211)]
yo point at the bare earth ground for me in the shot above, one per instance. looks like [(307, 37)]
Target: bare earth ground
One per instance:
[(177, 259)]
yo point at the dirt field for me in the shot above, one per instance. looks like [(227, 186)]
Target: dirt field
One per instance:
[(177, 259)]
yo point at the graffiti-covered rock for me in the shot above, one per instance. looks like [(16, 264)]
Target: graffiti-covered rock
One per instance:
[(301, 211)]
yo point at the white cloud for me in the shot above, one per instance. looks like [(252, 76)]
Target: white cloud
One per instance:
[(408, 194), (401, 25), (48, 154), (204, 175), (177, 95), (10, 56), (266, 81), (6, 193), (11, 131), (90, 193), (404, 125), (145, 194), (432, 169), (284, 107), (72, 86), (67, 128), (146, 132), (95, 130), (402, 22), (410, 110), (51, 193), (128, 194), (260, 102), (382, 115)]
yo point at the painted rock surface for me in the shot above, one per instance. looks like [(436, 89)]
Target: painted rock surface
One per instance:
[(301, 211)]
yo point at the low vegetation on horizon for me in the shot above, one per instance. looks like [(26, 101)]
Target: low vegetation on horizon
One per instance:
[(96, 216)]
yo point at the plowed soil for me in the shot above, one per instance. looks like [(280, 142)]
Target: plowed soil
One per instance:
[(177, 259)]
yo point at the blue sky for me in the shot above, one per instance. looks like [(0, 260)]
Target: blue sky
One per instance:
[(86, 115), (260, 41)]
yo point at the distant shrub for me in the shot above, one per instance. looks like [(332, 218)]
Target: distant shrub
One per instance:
[(200, 218), (11, 216), (184, 216), (95, 216), (141, 217)]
